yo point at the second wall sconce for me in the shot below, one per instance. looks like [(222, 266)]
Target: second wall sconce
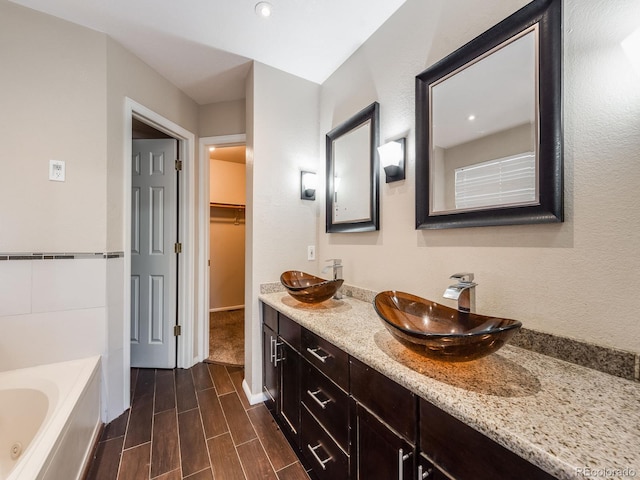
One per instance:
[(308, 182), (393, 158)]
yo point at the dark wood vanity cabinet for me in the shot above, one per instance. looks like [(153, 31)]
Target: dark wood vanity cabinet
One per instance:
[(281, 364), (465, 453), (348, 421)]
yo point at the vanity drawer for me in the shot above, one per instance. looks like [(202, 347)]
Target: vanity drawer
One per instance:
[(384, 397), (290, 331), (270, 317), (466, 453), (328, 403), (328, 358), (323, 455)]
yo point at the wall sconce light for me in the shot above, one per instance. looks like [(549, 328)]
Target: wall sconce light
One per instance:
[(308, 182), (392, 158)]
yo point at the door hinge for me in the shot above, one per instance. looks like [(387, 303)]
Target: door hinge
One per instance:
[(178, 247), (177, 330), (179, 165)]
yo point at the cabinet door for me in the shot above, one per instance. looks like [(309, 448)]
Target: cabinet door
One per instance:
[(269, 367), (290, 365), (381, 454)]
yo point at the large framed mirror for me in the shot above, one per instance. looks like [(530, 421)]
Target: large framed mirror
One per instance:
[(352, 173), (489, 127)]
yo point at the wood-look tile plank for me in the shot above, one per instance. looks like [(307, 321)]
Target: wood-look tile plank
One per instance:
[(135, 463), (272, 438), (105, 464), (224, 458), (185, 390), (165, 453), (145, 384), (294, 471), (201, 376), (203, 475), (193, 448), (140, 421), (255, 462), (165, 391), (239, 425), (212, 417), (237, 377), (174, 475), (221, 378), (116, 428)]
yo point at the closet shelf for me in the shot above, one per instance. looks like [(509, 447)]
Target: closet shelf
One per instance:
[(227, 205)]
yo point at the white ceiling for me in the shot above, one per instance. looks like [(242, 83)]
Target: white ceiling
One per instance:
[(204, 46)]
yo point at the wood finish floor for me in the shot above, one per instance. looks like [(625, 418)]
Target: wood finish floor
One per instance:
[(193, 424)]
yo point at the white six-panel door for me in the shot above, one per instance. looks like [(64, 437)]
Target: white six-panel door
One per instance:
[(153, 258)]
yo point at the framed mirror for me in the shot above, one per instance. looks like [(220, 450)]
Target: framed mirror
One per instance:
[(353, 174), (489, 127)]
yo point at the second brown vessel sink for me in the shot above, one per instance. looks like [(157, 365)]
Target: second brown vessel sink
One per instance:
[(308, 288), (440, 332)]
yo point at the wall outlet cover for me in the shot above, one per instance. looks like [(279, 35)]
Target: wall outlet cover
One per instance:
[(56, 170)]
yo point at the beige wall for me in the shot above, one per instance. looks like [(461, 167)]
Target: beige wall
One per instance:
[(52, 78), (223, 118), (579, 278), (282, 140)]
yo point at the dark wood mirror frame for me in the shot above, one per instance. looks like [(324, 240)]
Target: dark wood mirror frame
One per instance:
[(548, 15), (370, 113)]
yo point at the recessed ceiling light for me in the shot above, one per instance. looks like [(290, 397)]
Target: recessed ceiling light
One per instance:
[(471, 118), (211, 149), (263, 9)]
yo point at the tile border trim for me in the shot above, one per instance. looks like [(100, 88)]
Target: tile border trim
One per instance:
[(613, 361), (60, 256)]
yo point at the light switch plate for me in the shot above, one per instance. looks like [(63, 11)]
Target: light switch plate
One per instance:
[(311, 252), (56, 170)]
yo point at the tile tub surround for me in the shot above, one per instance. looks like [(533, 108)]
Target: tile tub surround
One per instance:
[(564, 418), (604, 359)]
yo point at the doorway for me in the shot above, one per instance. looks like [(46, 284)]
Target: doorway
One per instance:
[(155, 171), (227, 186)]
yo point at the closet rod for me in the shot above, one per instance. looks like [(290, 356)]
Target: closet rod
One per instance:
[(227, 205)]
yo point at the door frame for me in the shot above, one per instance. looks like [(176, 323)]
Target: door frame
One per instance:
[(187, 296), (203, 239)]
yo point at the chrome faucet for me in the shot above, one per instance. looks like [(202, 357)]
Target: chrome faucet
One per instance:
[(336, 266), (464, 292)]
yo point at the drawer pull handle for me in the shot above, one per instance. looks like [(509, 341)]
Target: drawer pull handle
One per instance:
[(315, 455), (277, 359), (314, 352), (402, 457), (322, 403), (424, 474), (272, 355)]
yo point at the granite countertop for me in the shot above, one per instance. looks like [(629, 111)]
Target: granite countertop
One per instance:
[(571, 421)]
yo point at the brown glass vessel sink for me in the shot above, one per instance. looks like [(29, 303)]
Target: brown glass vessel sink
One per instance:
[(440, 332), (309, 288)]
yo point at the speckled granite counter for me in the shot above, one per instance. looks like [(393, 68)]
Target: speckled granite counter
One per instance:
[(569, 420)]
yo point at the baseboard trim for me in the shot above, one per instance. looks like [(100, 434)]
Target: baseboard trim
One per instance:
[(225, 309), (253, 398)]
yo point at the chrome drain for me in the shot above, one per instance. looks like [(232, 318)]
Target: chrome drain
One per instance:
[(16, 450)]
